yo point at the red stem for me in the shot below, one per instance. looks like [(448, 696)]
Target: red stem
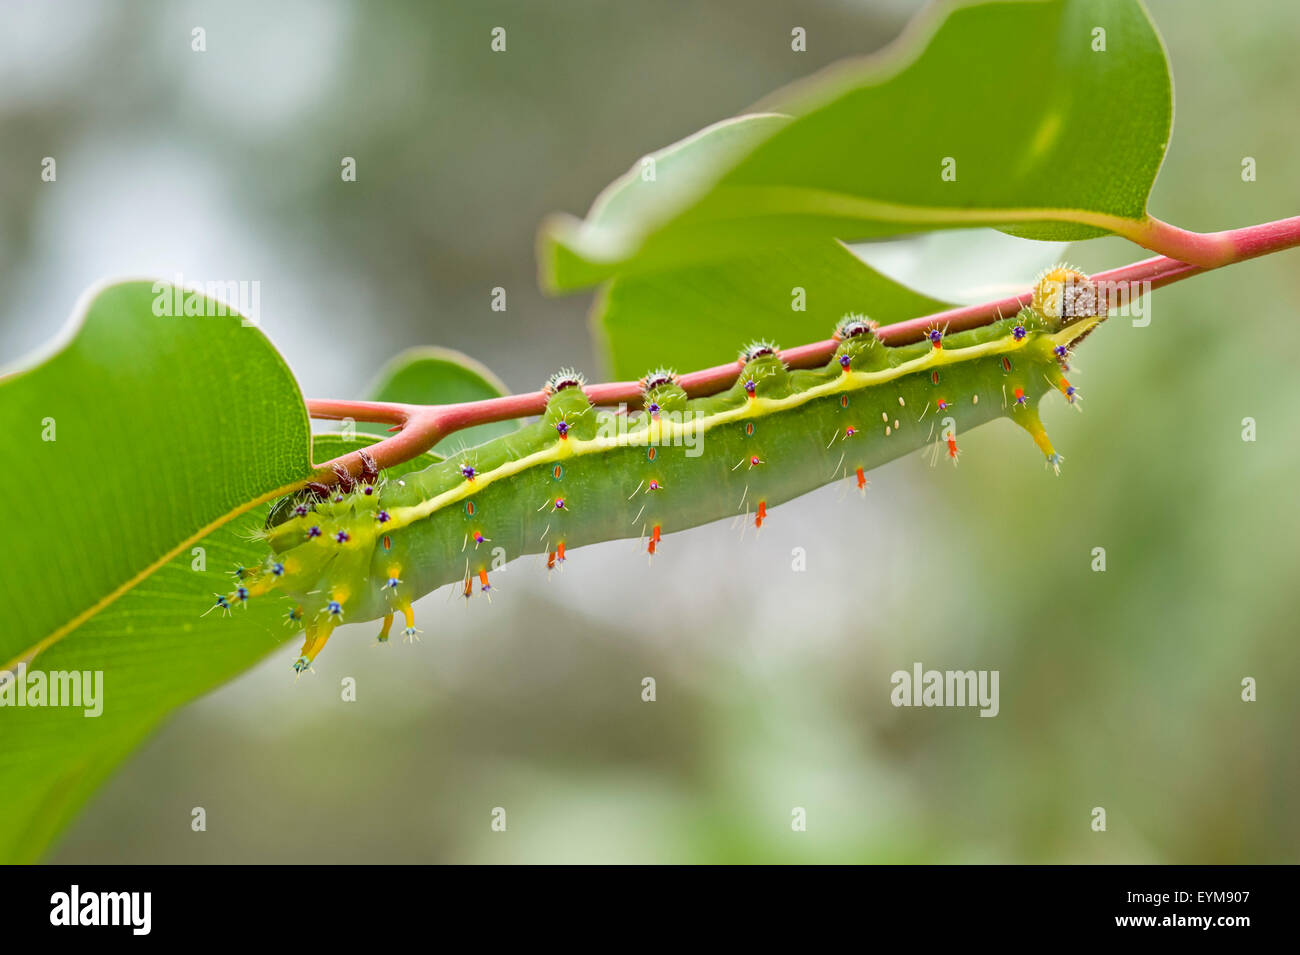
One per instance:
[(420, 427), (1211, 249)]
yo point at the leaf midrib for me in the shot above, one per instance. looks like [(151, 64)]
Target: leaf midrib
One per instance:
[(108, 599)]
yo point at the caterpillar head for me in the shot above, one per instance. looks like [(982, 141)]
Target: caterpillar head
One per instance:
[(290, 506), (1065, 295), (317, 548)]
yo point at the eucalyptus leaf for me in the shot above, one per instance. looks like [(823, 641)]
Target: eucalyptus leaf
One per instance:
[(696, 317), (1046, 118)]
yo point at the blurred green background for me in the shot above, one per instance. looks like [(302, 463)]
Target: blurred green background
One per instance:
[(1118, 689)]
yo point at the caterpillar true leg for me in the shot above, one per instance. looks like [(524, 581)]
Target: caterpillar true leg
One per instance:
[(346, 481), (318, 490), (369, 468)]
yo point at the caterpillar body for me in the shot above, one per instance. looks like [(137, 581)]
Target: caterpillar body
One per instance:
[(580, 474)]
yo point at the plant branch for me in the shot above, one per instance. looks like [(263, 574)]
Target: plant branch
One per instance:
[(1212, 249), (420, 427)]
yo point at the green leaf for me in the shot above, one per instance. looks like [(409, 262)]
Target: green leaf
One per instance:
[(434, 376), (1050, 138), (166, 433), (644, 196), (701, 316)]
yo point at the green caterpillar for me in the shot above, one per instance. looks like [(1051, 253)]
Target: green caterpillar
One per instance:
[(580, 475)]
